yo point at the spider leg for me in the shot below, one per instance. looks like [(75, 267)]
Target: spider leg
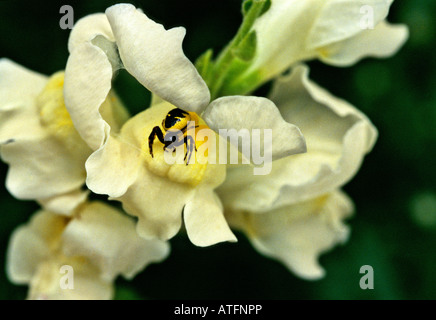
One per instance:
[(156, 132), (190, 146), (193, 126)]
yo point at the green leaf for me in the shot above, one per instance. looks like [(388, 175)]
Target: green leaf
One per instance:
[(237, 55), (204, 64), (247, 48)]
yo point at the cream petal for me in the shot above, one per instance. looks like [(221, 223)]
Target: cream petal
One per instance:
[(18, 84), (382, 41), (204, 220), (337, 135), (158, 203), (109, 240), (87, 28), (112, 168), (297, 235), (31, 244), (292, 31), (114, 112), (258, 113), (65, 204), (88, 77), (86, 281), (19, 88), (41, 168), (281, 35), (154, 56), (20, 264), (341, 19), (313, 108), (28, 144), (33, 258)]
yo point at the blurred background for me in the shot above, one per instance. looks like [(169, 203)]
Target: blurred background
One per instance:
[(394, 226)]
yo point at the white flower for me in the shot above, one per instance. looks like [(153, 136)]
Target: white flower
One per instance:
[(38, 140), (337, 135), (338, 32), (99, 244), (295, 213), (122, 165), (297, 234)]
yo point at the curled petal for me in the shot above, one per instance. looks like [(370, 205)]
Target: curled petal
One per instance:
[(112, 168), (337, 136), (41, 168), (346, 14), (88, 77), (89, 27), (93, 60), (204, 219), (66, 203), (158, 203), (19, 88), (292, 31), (109, 240), (382, 41), (154, 56), (37, 139), (87, 283), (255, 113), (281, 35), (298, 234), (32, 244)]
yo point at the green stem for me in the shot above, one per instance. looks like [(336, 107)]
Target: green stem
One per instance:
[(225, 58)]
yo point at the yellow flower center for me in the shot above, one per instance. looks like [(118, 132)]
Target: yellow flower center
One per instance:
[(175, 144), (53, 113), (182, 156), (54, 116)]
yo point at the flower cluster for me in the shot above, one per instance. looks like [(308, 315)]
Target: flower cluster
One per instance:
[(68, 135)]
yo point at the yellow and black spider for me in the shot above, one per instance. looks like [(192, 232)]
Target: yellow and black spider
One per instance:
[(176, 125)]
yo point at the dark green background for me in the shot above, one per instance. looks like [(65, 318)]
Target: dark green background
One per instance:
[(394, 226)]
